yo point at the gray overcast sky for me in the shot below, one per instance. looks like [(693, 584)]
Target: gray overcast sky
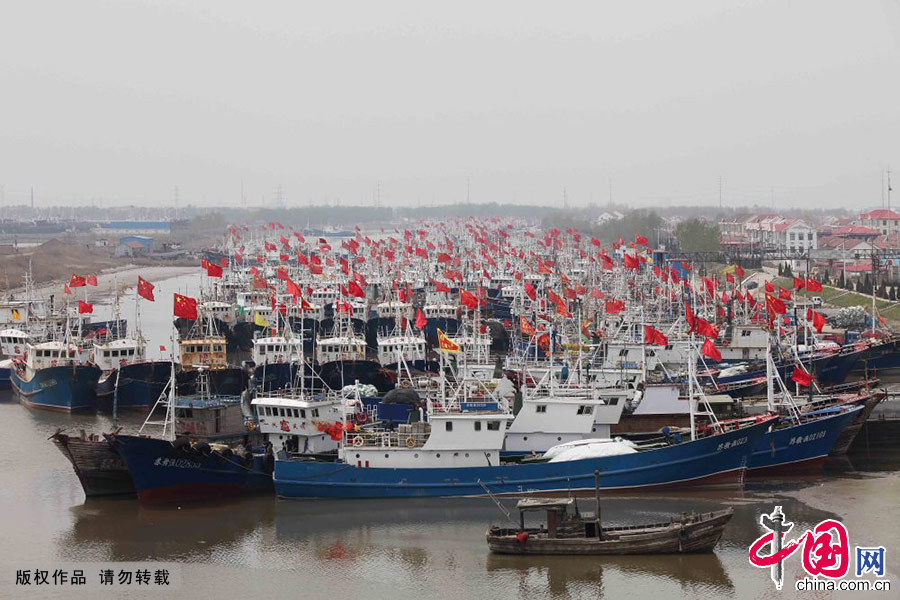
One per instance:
[(123, 100)]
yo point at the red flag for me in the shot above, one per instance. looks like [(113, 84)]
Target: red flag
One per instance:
[(739, 271), (213, 270), (641, 240), (468, 300), (709, 350), (655, 337), (185, 307), (615, 306), (631, 262), (85, 307), (421, 321), (91, 279), (705, 328), (775, 305), (525, 325), (66, 290), (440, 287), (812, 285), (530, 291), (784, 293), (145, 289), (817, 319), (77, 281), (769, 287), (689, 317), (355, 290), (801, 377), (799, 283)]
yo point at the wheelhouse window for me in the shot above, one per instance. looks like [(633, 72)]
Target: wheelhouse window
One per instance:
[(541, 408), (585, 410)]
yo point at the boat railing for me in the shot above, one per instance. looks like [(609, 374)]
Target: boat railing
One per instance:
[(385, 439)]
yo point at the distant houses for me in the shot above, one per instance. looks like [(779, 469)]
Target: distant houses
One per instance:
[(136, 227), (792, 236)]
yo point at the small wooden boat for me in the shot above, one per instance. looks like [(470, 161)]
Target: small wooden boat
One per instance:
[(582, 533), (99, 467)]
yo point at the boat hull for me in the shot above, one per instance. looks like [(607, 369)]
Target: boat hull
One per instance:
[(98, 466), (672, 538), (140, 385), (717, 461), (338, 374), (63, 388), (165, 473), (798, 450)]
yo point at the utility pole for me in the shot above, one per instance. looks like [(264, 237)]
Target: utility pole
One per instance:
[(889, 189), (565, 199), (720, 193), (468, 190)]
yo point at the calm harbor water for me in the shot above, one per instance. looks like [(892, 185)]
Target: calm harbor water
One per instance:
[(401, 549), (265, 547)]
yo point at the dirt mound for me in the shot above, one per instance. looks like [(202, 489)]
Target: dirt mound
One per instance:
[(53, 260)]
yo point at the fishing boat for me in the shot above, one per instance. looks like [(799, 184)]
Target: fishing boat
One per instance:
[(582, 533), (56, 375), (213, 457), (128, 379), (99, 467), (13, 345), (798, 442), (457, 451)]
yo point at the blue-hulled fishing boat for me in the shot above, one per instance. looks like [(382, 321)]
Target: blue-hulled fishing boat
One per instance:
[(56, 376)]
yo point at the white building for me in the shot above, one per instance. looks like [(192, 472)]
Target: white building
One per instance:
[(884, 220)]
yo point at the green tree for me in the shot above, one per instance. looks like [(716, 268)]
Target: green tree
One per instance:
[(696, 235)]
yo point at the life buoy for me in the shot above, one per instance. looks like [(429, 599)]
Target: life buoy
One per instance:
[(410, 442), (358, 441)]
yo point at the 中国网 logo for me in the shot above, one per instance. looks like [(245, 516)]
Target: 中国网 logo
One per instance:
[(824, 549)]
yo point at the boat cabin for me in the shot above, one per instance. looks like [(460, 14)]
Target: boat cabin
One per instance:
[(393, 309), (54, 354), (411, 348), (253, 298), (118, 353), (333, 349), (206, 352), (748, 342), (279, 349), (209, 417), (297, 423), (324, 295), (13, 342), (223, 311), (544, 422), (440, 311), (447, 439)]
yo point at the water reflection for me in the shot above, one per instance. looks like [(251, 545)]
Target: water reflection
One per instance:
[(562, 575), (123, 530)]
